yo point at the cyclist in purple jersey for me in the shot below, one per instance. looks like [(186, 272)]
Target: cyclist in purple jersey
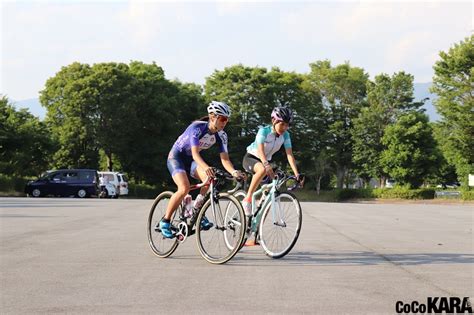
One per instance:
[(184, 158)]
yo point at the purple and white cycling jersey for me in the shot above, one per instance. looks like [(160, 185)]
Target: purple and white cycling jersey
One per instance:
[(180, 158), (197, 134)]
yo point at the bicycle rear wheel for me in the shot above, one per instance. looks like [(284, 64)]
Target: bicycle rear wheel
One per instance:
[(222, 241), (280, 229), (161, 246)]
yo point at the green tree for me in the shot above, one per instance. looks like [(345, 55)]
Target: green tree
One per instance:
[(70, 102), (343, 89), (387, 98), (242, 88), (411, 153), (453, 82), (313, 137), (110, 86), (161, 110), (129, 114), (252, 93), (25, 142)]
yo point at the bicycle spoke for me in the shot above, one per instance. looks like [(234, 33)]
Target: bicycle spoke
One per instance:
[(277, 238), (221, 242), (161, 246)]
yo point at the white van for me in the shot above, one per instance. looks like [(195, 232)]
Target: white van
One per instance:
[(123, 180), (117, 179), (389, 183)]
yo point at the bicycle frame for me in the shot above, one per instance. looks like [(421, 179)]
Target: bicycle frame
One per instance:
[(272, 191), (212, 194), (188, 229)]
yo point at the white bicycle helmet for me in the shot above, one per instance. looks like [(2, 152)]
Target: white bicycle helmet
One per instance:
[(218, 108)]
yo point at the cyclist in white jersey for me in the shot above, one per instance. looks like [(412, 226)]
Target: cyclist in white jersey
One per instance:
[(269, 140)]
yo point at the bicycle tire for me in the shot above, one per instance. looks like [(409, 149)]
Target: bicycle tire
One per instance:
[(212, 243), (286, 235), (161, 246), (240, 195)]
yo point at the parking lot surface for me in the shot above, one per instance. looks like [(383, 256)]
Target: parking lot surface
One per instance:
[(92, 256)]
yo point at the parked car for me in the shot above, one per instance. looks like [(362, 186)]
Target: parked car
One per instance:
[(389, 183), (123, 184), (65, 182), (107, 190), (117, 179), (449, 185)]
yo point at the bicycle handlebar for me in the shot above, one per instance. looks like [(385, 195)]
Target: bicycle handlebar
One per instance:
[(299, 183), (280, 175)]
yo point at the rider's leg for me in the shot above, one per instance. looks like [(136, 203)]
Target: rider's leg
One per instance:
[(200, 174), (259, 173), (182, 181)]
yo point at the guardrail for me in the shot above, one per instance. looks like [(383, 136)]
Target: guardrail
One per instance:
[(447, 194)]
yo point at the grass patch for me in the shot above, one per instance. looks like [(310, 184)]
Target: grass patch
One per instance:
[(337, 195), (467, 194)]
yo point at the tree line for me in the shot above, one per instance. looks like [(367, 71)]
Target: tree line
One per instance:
[(127, 116)]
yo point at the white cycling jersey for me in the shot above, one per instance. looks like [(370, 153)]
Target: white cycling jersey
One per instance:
[(272, 142)]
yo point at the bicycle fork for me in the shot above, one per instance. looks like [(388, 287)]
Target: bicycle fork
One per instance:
[(277, 215)]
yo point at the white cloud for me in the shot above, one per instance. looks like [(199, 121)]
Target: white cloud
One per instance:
[(408, 47), (148, 21), (363, 20), (229, 7), (190, 39)]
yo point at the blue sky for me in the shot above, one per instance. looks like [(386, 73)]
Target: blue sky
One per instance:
[(191, 39)]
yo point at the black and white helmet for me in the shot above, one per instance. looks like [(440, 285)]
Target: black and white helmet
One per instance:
[(283, 114), (218, 108)]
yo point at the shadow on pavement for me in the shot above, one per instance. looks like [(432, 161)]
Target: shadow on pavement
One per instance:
[(355, 258)]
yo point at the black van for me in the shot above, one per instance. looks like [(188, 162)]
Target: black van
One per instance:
[(75, 182)]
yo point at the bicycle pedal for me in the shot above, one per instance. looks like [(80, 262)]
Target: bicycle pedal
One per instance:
[(181, 238)]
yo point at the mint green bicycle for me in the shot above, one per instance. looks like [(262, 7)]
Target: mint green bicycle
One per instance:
[(277, 216)]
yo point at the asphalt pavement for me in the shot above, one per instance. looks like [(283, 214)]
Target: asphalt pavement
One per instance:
[(91, 256)]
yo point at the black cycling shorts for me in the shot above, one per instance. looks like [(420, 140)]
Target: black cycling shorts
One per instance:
[(249, 162)]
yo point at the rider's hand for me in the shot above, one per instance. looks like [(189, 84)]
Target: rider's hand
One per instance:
[(269, 170), (300, 179), (210, 172), (239, 175)]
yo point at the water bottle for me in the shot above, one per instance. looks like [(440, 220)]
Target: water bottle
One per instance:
[(188, 206)]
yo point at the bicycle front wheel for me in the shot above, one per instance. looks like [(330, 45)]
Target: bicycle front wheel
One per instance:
[(161, 246), (280, 226), (231, 213), (222, 241)]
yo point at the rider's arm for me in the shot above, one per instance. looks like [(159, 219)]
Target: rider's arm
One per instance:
[(289, 153), (263, 158), (261, 153), (227, 163), (198, 159), (195, 132), (292, 161)]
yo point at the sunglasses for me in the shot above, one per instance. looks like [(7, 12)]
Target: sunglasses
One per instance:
[(223, 119)]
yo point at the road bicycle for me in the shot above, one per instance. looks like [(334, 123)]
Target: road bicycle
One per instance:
[(218, 244), (276, 216)]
